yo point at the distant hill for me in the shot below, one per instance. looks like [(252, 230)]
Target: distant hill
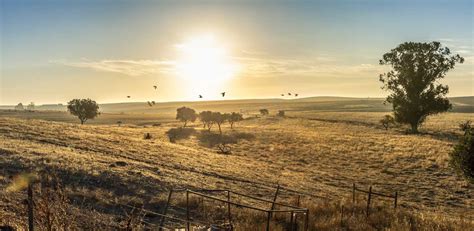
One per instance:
[(320, 103)]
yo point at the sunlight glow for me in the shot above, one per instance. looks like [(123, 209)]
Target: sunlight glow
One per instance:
[(205, 64)]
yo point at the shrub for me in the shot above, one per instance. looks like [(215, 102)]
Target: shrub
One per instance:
[(175, 134), (387, 121), (281, 113), (462, 157), (147, 136), (264, 112)]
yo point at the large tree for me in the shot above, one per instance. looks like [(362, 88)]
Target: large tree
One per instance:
[(84, 109), (186, 114), (415, 92)]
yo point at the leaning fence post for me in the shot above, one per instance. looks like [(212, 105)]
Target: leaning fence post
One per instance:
[(368, 200), (353, 193), (396, 200), (275, 197), (228, 207), (30, 207), (187, 211), (165, 210), (269, 216)]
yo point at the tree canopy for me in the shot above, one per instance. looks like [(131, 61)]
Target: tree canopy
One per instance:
[(186, 114), (84, 109), (413, 81)]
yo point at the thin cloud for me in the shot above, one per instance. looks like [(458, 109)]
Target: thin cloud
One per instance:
[(126, 67)]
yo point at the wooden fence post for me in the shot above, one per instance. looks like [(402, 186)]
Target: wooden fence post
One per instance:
[(368, 200), (353, 193), (291, 221), (342, 215), (31, 222), (187, 211), (228, 208), (269, 216), (396, 200), (165, 210), (275, 198), (306, 220)]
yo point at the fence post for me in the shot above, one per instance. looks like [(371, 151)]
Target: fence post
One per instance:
[(396, 200), (353, 193), (275, 198), (187, 211), (291, 221), (30, 207), (228, 207), (306, 220), (165, 210), (368, 200), (342, 215), (269, 216)]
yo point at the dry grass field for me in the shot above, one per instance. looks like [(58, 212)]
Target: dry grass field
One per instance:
[(317, 153)]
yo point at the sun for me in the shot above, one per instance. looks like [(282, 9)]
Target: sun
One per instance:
[(205, 64)]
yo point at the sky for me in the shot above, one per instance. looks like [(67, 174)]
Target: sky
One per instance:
[(55, 51)]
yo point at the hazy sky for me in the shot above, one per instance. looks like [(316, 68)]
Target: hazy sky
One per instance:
[(53, 51)]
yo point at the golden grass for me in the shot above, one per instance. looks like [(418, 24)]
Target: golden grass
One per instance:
[(322, 157)]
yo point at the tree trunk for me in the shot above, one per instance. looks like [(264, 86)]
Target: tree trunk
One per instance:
[(414, 128), (185, 122), (231, 125), (82, 122), (220, 131)]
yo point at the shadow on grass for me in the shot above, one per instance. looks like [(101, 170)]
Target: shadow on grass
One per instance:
[(175, 134), (210, 140)]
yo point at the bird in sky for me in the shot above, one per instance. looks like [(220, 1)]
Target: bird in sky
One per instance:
[(223, 94), (296, 95), (149, 104), (155, 87), (289, 93), (282, 94), (200, 96), (128, 96), (153, 102)]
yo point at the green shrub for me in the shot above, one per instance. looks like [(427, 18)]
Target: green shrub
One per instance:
[(462, 157)]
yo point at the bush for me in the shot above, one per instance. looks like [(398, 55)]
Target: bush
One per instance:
[(462, 157), (147, 136), (281, 113), (264, 112), (387, 121), (175, 134)]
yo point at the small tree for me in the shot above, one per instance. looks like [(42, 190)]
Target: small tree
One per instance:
[(387, 121), (19, 107), (30, 107), (413, 81), (219, 119), (84, 109), (234, 117), (462, 157), (185, 114), (206, 119), (264, 112)]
